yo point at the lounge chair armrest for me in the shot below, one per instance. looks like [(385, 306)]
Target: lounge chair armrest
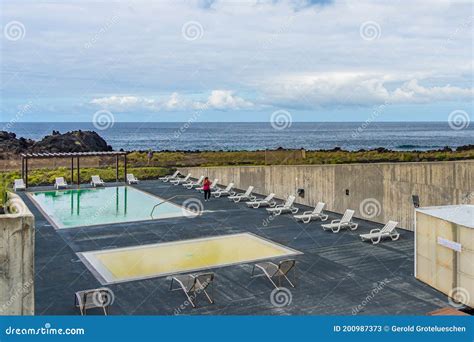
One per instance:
[(307, 212), (335, 221), (376, 230)]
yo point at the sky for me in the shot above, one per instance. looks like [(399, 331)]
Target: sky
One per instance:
[(236, 60)]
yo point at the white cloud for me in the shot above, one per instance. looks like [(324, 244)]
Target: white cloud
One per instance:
[(361, 89), (423, 53), (225, 99), (217, 100), (174, 102), (122, 101)]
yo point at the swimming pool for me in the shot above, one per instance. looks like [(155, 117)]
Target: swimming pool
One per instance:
[(161, 259), (88, 207)]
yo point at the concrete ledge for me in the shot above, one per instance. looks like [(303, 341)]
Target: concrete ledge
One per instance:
[(378, 191), (17, 232)]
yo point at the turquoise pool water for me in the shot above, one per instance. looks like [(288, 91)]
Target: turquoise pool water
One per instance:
[(87, 207)]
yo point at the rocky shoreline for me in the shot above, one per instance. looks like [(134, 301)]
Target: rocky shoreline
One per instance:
[(75, 141), (89, 141)]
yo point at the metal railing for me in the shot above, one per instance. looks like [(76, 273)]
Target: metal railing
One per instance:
[(165, 201)]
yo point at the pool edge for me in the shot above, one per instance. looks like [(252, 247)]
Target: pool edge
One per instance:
[(95, 270)]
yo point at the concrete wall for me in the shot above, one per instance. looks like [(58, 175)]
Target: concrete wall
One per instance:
[(441, 267), (17, 260), (385, 188)]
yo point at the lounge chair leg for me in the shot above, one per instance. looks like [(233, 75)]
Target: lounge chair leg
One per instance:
[(190, 300), (289, 281), (271, 280), (208, 297), (80, 310), (376, 241)]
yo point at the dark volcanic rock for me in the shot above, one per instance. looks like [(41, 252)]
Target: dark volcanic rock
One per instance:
[(10, 144), (75, 141), (465, 148)]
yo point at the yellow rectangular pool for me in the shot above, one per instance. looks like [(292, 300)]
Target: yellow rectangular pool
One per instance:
[(161, 259)]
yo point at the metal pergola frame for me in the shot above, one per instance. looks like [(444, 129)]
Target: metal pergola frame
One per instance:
[(73, 155)]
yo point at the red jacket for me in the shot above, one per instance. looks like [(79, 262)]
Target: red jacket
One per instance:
[(206, 185)]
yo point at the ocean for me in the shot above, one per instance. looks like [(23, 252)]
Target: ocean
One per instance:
[(257, 136)]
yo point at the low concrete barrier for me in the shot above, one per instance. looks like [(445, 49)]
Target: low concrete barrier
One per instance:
[(17, 232), (377, 192)]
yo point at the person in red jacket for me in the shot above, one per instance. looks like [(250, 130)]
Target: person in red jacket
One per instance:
[(206, 187)]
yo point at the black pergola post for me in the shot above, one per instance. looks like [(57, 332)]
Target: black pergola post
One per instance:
[(26, 172), (26, 156), (116, 169), (78, 173), (72, 170), (23, 168), (125, 168)]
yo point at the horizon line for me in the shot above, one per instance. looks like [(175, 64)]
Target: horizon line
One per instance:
[(119, 122)]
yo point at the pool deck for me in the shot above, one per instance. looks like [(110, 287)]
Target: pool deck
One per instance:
[(336, 274)]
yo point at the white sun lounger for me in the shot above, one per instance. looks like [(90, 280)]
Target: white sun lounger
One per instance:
[(192, 184), (213, 186), (344, 222), (224, 192), (317, 213), (169, 177), (288, 207), (59, 183), (388, 231), (19, 184), (266, 202), (131, 179), (96, 181), (247, 195), (180, 180)]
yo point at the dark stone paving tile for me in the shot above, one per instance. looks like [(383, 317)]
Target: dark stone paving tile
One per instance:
[(336, 272)]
